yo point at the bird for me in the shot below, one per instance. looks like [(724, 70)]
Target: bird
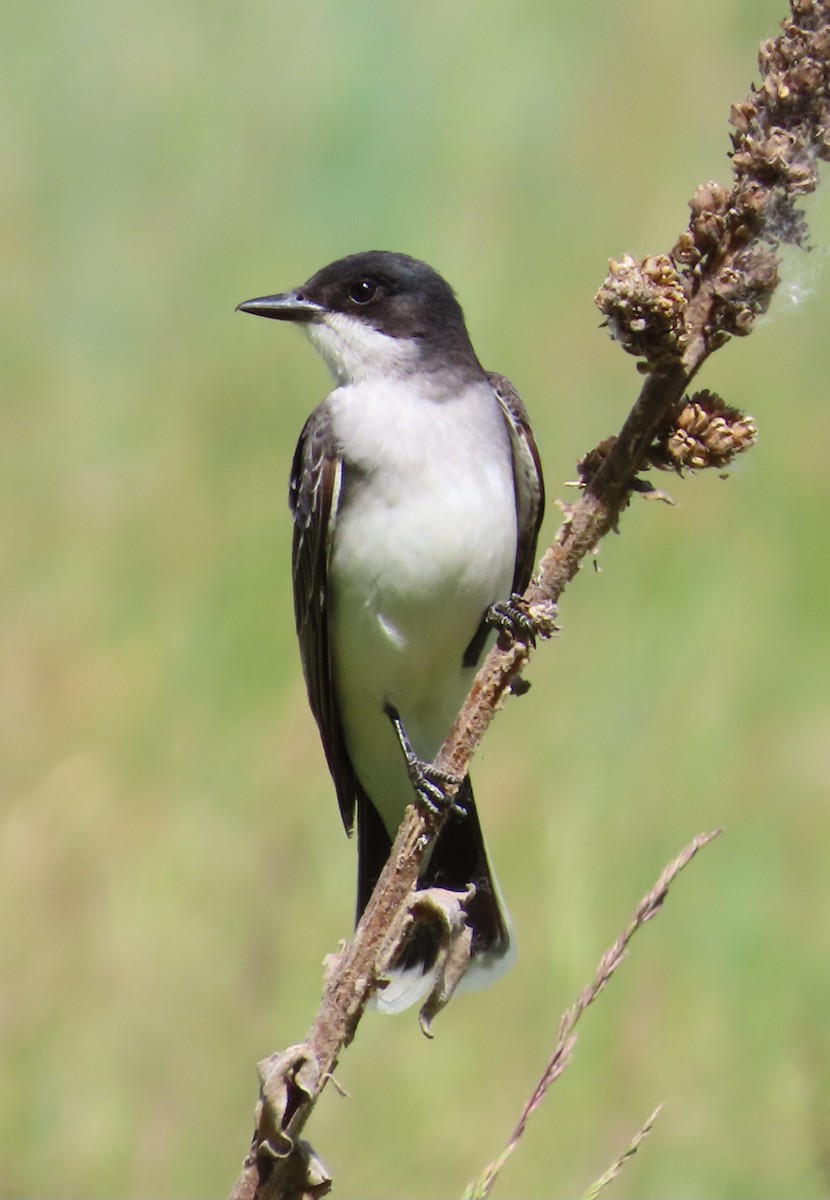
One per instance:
[(416, 492)]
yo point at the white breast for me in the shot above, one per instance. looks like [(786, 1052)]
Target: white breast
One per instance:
[(425, 541)]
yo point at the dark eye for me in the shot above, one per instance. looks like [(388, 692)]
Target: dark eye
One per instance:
[(363, 291)]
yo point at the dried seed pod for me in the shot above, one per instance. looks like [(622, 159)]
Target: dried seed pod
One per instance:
[(706, 433), (644, 304), (593, 460), (743, 291)]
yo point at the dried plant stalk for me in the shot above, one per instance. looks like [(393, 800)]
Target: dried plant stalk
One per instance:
[(560, 1057), (672, 311), (631, 1149)]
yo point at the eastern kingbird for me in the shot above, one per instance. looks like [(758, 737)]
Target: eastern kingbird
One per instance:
[(417, 495)]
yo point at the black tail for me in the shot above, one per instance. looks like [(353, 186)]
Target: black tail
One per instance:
[(458, 859)]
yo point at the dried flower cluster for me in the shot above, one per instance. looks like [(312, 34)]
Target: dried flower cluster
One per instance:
[(706, 433), (593, 460), (644, 304), (723, 270), (783, 127)]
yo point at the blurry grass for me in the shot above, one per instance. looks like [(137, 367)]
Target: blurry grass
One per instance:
[(561, 1054), (172, 869)]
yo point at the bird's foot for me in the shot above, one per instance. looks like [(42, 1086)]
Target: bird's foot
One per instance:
[(510, 617), (428, 781)]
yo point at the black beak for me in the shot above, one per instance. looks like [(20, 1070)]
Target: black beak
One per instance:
[(286, 307)]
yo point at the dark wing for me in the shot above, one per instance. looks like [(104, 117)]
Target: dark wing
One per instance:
[(527, 474), (313, 495), (530, 499)]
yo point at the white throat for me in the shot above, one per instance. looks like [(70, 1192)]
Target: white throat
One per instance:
[(353, 351)]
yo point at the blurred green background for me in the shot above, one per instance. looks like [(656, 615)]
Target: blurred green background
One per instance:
[(172, 867)]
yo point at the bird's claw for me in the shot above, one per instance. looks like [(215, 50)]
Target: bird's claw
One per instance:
[(508, 616), (430, 783)]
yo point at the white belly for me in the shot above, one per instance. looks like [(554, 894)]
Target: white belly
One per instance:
[(425, 542)]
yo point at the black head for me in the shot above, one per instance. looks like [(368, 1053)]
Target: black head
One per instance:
[(394, 294)]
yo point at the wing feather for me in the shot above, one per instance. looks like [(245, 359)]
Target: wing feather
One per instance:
[(314, 495), (527, 475)]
